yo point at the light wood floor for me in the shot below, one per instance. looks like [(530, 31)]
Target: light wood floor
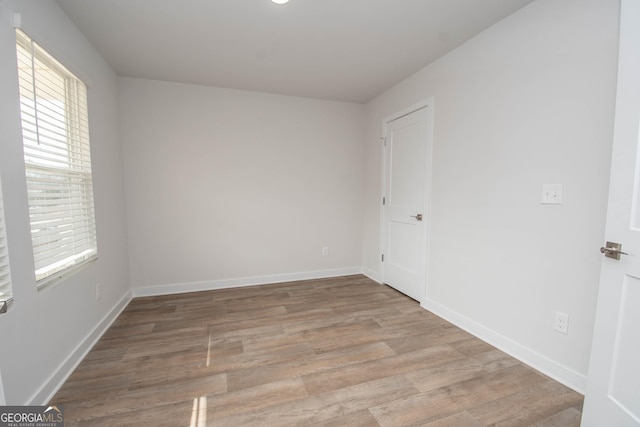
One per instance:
[(331, 352)]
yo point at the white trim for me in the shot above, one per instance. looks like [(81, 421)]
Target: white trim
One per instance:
[(428, 102), (19, 23), (372, 274), (537, 361), (179, 288), (44, 395), (558, 372)]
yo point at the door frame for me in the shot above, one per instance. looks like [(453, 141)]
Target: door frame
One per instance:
[(428, 105)]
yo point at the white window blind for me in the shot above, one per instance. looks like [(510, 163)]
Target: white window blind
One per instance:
[(55, 133), (5, 276)]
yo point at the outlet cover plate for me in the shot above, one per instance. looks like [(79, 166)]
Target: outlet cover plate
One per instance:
[(561, 322), (551, 194)]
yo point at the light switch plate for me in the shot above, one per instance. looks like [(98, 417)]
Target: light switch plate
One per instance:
[(551, 194)]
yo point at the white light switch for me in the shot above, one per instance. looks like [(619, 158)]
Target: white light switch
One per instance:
[(551, 194)]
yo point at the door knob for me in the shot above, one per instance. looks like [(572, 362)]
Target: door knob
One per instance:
[(612, 250), (418, 217)]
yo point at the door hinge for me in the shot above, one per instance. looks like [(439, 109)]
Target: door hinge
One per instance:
[(384, 201), (382, 257), (384, 140)]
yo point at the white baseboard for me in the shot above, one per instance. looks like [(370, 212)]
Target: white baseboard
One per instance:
[(558, 372), (179, 288), (57, 379), (372, 274)]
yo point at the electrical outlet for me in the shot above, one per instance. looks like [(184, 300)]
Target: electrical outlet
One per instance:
[(325, 251), (551, 194), (561, 322), (98, 291)]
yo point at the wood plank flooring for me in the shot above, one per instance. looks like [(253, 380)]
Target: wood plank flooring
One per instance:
[(332, 352)]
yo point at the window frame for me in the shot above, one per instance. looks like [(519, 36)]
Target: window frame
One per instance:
[(57, 155), (6, 290)]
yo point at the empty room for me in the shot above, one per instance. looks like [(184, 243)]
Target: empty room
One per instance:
[(367, 213)]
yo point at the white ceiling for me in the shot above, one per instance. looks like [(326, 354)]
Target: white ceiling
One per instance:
[(347, 50)]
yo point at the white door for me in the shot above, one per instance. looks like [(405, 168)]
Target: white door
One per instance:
[(407, 168), (613, 387)]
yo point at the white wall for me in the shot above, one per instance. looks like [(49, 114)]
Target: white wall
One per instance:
[(45, 333), (527, 102), (227, 187)]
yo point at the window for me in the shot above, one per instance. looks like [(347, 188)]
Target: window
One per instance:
[(5, 277), (55, 133)]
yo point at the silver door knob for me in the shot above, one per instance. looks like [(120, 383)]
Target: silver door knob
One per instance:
[(418, 217), (612, 250)]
